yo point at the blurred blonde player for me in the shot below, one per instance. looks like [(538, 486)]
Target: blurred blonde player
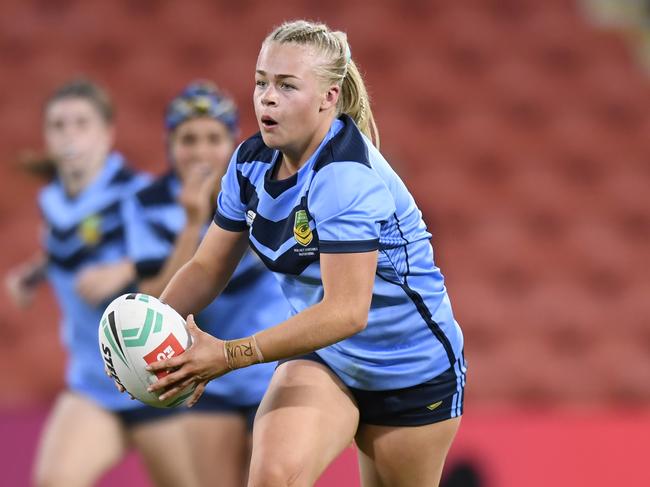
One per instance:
[(92, 425), (165, 224)]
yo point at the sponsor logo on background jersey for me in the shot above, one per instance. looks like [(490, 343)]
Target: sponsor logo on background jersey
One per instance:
[(301, 231)]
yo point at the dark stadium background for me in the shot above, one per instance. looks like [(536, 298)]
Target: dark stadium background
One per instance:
[(521, 127)]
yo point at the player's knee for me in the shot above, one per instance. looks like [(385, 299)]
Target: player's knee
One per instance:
[(285, 472)]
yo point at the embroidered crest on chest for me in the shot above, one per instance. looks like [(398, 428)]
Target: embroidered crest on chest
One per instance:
[(89, 230), (301, 231)]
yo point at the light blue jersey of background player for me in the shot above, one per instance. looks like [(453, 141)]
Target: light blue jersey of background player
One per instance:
[(252, 300), (84, 231)]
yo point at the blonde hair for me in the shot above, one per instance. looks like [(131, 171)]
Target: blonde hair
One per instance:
[(338, 68)]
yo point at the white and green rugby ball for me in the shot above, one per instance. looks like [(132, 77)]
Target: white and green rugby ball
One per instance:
[(137, 330)]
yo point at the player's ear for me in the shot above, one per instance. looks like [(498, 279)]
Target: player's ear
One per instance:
[(330, 97)]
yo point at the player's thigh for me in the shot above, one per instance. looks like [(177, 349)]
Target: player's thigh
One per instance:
[(165, 450), (404, 456), (220, 446), (80, 442), (307, 417)]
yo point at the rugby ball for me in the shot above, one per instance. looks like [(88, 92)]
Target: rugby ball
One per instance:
[(137, 330)]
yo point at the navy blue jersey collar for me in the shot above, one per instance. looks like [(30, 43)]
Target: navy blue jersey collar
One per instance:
[(275, 187)]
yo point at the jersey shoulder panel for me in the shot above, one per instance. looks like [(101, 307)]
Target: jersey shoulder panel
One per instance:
[(253, 149), (348, 145), (157, 193)]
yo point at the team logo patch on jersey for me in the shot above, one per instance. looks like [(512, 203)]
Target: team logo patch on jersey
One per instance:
[(301, 231), (89, 230)]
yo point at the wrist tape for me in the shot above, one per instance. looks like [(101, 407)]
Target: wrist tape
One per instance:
[(242, 352)]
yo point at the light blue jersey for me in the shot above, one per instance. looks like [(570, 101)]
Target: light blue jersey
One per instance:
[(251, 302), (346, 198), (83, 231)]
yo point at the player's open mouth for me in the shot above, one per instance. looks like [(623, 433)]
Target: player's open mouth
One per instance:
[(268, 122)]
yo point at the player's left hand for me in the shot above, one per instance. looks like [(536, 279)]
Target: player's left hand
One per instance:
[(203, 361)]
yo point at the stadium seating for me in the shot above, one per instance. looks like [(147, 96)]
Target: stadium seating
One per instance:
[(521, 129)]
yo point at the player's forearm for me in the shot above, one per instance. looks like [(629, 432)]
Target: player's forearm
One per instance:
[(201, 279), (190, 289), (185, 245), (348, 282), (124, 273), (316, 327)]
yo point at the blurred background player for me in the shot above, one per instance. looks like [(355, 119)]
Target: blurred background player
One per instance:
[(91, 425), (165, 224)]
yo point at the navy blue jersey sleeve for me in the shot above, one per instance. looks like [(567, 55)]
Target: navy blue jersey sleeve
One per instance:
[(348, 202), (230, 213), (146, 247)]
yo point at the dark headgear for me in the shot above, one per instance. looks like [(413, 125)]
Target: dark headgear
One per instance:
[(202, 99)]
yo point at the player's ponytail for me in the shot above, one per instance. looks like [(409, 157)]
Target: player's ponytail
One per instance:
[(354, 101), (337, 67)]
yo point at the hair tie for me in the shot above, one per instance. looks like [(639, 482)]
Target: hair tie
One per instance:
[(348, 58), (348, 53)]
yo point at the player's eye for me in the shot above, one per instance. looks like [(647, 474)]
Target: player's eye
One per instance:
[(81, 122), (214, 138), (56, 125), (188, 139)]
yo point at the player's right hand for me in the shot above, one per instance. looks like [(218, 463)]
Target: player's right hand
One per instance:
[(196, 193), (117, 384)]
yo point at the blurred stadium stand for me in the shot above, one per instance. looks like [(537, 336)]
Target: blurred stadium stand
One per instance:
[(522, 129)]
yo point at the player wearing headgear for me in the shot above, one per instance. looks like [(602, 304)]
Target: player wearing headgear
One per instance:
[(165, 225), (92, 425)]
